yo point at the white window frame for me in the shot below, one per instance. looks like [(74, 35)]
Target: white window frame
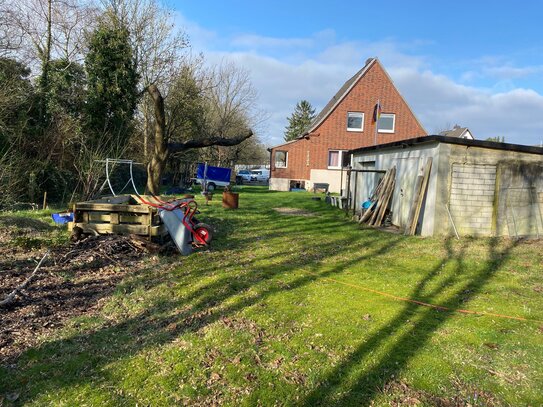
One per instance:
[(286, 159), (340, 159), (393, 123), (355, 114)]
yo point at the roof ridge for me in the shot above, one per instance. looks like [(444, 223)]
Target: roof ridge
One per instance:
[(339, 96)]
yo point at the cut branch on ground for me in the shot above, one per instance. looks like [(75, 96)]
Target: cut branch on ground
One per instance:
[(11, 296)]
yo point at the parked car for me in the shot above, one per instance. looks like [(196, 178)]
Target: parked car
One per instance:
[(245, 175), (261, 175)]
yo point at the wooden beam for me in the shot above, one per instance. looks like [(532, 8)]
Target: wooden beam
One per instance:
[(103, 207), (420, 198), (105, 228)]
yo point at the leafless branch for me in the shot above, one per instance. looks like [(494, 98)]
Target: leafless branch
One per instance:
[(209, 141), (11, 296)]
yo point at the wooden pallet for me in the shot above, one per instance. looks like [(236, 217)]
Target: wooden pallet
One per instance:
[(122, 215)]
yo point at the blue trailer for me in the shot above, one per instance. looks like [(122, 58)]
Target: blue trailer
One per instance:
[(212, 177)]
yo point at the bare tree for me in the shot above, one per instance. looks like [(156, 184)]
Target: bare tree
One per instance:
[(72, 21), (160, 53), (50, 29), (162, 149), (231, 100), (158, 45), (88, 163), (231, 108), (159, 49), (11, 37)]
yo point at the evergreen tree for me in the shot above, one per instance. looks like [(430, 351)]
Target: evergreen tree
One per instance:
[(66, 93), (300, 120), (112, 81), (16, 94)]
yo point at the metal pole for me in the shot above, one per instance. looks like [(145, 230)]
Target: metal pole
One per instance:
[(107, 177), (354, 194), (372, 171), (534, 206), (341, 182), (377, 108), (348, 191), (132, 179), (452, 222), (204, 186)]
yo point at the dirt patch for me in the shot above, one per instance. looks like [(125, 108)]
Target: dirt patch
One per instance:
[(294, 212), (401, 394), (70, 282), (25, 223)]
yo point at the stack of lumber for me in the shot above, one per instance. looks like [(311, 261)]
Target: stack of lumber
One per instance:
[(375, 214), (420, 191)]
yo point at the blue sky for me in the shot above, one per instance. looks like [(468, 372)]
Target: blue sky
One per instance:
[(478, 64)]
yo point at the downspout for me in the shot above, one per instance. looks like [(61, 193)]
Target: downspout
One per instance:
[(270, 150)]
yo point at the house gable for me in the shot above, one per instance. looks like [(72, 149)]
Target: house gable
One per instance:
[(329, 134), (458, 132), (371, 86)]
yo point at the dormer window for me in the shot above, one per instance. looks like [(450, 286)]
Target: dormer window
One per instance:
[(355, 121), (387, 122)]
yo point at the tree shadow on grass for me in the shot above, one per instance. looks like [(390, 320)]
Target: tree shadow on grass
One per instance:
[(82, 359), (343, 386)]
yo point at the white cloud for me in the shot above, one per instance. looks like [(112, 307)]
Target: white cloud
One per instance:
[(200, 38), (498, 67), (508, 71), (314, 68), (439, 101), (259, 42)]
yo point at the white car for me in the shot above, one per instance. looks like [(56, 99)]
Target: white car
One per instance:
[(261, 175), (245, 175)]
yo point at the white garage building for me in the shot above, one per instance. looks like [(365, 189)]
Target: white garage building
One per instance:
[(489, 188)]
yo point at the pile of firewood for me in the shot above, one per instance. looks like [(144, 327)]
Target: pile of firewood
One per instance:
[(374, 215), (106, 249)]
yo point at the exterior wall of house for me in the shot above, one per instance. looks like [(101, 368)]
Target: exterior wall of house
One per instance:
[(468, 135), (280, 184), (489, 192), (331, 177), (297, 163), (311, 153)]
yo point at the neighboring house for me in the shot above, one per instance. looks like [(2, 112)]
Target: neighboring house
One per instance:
[(458, 132), (345, 123), (478, 188)]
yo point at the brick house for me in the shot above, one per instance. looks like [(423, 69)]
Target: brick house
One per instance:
[(345, 123)]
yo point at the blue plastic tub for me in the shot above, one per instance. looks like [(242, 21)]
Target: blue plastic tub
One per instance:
[(62, 218)]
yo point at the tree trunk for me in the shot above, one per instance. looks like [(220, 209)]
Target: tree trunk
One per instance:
[(160, 151), (45, 56), (146, 130)]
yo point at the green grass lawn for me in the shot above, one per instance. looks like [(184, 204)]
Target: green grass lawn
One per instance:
[(278, 313)]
